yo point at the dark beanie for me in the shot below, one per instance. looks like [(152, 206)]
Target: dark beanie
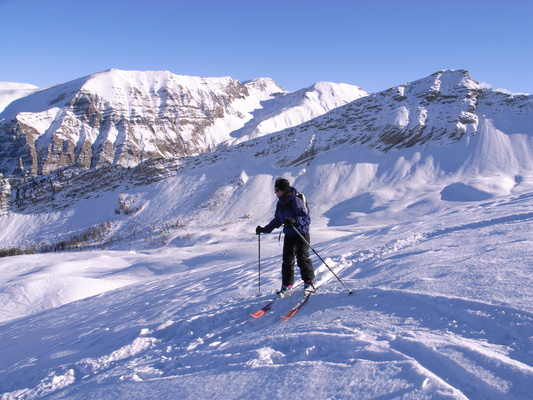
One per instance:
[(283, 185)]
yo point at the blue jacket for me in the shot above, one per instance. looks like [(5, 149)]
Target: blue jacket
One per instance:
[(291, 207)]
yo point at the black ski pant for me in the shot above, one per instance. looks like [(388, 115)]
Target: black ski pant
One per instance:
[(294, 246)]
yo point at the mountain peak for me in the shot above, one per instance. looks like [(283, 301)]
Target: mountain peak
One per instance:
[(267, 85), (444, 83)]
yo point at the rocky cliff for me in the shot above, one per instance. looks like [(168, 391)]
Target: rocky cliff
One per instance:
[(127, 117)]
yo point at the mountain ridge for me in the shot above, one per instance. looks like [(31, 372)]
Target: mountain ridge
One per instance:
[(443, 105), (125, 117)]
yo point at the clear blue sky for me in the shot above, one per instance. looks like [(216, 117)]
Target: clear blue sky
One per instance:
[(375, 44)]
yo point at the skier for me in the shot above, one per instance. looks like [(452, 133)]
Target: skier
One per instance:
[(291, 211)]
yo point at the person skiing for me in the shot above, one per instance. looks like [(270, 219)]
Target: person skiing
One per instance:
[(291, 211)]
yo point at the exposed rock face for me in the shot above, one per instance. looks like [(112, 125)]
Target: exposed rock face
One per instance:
[(126, 117), (5, 193), (115, 118), (446, 105)]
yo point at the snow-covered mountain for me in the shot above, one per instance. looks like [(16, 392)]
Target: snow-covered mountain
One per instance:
[(421, 199), (292, 109), (443, 107), (126, 117)]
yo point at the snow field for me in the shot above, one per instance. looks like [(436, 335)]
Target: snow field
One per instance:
[(441, 310)]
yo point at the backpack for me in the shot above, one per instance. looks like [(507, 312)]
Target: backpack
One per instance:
[(302, 197)]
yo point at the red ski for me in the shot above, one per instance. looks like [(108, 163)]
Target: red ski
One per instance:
[(296, 308), (263, 310), (266, 308)]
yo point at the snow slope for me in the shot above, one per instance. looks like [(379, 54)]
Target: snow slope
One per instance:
[(10, 91), (442, 310), (435, 239), (292, 109)]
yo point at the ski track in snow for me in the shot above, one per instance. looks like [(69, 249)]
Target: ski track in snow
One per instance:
[(394, 338)]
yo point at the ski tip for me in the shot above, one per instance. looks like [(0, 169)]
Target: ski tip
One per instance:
[(288, 315), (257, 314)]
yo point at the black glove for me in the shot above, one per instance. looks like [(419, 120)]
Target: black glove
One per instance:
[(259, 230), (290, 222)]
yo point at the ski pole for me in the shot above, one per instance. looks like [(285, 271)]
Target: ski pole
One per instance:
[(314, 251), (259, 260)]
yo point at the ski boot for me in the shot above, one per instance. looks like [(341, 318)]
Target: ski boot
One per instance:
[(284, 291), (309, 288)]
